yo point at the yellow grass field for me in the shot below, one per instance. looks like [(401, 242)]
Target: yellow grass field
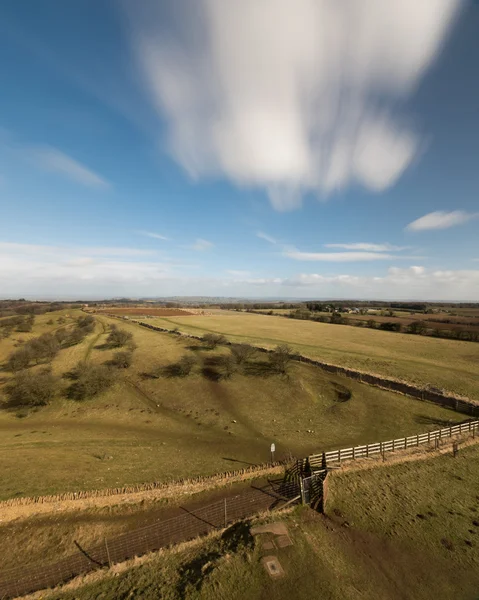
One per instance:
[(448, 364), (145, 429)]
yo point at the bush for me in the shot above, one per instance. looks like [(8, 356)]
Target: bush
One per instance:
[(281, 358), (417, 327), (118, 338), (213, 339), (20, 359), (122, 359), (32, 389), (24, 327), (242, 352), (371, 324), (390, 326), (183, 367), (45, 347), (87, 324), (90, 380)]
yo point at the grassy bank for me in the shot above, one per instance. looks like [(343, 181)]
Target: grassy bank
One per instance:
[(447, 364)]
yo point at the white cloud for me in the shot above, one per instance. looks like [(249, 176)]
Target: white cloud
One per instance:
[(368, 247), (153, 235), (290, 95), (265, 236), (296, 254), (51, 159), (82, 272), (201, 245), (41, 250), (412, 283), (238, 274), (441, 220)]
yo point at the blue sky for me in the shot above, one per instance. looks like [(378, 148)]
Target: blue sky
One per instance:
[(264, 149)]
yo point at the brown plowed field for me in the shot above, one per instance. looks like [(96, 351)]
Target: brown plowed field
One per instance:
[(432, 324), (153, 312)]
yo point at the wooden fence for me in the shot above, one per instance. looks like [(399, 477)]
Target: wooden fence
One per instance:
[(326, 458)]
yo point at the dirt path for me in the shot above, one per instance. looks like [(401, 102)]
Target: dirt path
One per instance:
[(94, 340)]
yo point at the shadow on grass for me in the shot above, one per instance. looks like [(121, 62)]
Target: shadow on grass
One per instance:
[(211, 374), (343, 394), (193, 573), (259, 368), (425, 420), (243, 462), (198, 347)]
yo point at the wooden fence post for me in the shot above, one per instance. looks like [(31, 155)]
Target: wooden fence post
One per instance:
[(108, 553), (226, 518)]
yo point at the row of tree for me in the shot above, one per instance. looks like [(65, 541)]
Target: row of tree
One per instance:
[(40, 387)]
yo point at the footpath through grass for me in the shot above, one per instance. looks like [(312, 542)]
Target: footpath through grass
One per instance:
[(448, 364)]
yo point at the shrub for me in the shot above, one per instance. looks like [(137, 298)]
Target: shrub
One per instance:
[(118, 338), (213, 339), (417, 327), (90, 380), (183, 367), (281, 358), (61, 335), (390, 326), (24, 327), (371, 324), (86, 323), (44, 347), (32, 389), (20, 359), (242, 352), (122, 359)]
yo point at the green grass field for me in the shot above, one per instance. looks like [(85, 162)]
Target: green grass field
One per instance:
[(147, 429), (402, 531), (448, 364)]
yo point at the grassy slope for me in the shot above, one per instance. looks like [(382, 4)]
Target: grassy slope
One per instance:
[(384, 552), (449, 364), (430, 503), (145, 429)]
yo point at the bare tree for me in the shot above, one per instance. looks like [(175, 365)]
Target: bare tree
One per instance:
[(119, 337), (213, 339), (280, 358), (32, 389), (242, 353), (90, 380)]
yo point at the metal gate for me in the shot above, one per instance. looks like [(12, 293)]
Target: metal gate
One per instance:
[(312, 489)]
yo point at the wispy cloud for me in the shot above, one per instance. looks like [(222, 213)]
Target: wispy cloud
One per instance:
[(153, 235), (441, 220), (201, 245), (51, 159), (290, 96), (368, 247), (265, 236), (296, 254), (37, 250), (240, 274)]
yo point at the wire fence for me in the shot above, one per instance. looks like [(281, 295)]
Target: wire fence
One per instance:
[(203, 520), (192, 523)]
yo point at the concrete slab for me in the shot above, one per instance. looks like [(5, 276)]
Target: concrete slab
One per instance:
[(276, 528), (283, 540), (268, 545), (272, 567)]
